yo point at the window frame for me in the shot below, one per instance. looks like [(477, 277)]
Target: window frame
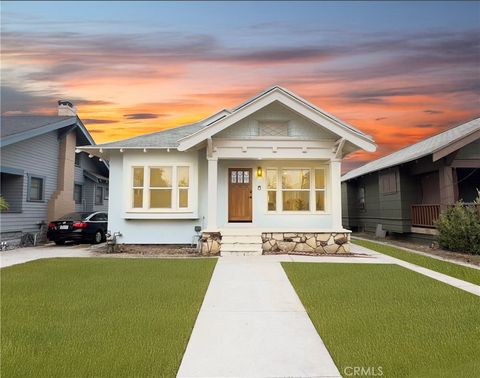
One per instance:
[(29, 187), (385, 178), (96, 197), (361, 205), (81, 193), (175, 189), (312, 191)]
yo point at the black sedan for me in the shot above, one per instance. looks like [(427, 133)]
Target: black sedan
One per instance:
[(79, 227)]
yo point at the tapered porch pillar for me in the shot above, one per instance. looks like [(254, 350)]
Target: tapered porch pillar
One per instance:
[(336, 193), (212, 194)]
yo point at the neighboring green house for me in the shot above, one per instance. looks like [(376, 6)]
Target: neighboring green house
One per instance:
[(405, 191)]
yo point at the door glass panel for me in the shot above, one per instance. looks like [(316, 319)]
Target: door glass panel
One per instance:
[(246, 177), (240, 177), (233, 177)]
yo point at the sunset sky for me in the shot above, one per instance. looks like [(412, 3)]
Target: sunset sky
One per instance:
[(399, 71)]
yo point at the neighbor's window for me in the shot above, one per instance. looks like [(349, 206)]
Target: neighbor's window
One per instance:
[(296, 189), (106, 193), (388, 183), (77, 193), (361, 197), (320, 189), (36, 188), (99, 195), (272, 184), (168, 187)]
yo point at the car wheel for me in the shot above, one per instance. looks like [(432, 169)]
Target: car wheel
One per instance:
[(59, 242), (98, 237)]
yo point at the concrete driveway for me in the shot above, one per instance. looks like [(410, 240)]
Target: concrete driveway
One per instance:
[(23, 255)]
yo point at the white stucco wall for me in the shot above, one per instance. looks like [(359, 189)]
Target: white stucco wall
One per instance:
[(151, 231)]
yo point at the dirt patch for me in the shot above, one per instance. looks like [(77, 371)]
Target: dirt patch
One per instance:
[(152, 250), (432, 249)]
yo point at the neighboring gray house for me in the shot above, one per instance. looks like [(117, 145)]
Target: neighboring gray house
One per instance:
[(406, 191), (42, 178)]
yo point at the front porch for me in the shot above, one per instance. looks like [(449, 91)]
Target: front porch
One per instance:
[(249, 241)]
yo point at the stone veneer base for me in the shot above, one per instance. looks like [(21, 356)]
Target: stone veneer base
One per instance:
[(306, 243)]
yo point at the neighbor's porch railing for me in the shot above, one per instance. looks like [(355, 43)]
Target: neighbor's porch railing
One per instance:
[(425, 215)]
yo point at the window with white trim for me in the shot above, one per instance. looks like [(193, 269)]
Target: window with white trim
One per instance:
[(165, 187), (298, 189)]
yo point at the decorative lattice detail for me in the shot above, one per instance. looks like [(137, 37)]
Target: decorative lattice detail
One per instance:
[(274, 129)]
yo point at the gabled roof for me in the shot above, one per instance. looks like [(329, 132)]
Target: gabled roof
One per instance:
[(186, 136), (291, 101), (418, 150), (16, 128)]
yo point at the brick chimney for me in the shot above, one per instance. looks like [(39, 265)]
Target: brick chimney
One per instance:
[(66, 108)]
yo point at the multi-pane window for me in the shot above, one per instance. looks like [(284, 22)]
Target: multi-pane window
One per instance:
[(78, 193), (319, 189), (99, 195), (183, 181), (240, 176), (161, 187), (296, 189), (138, 173), (35, 188), (361, 197), (272, 184), (388, 183)]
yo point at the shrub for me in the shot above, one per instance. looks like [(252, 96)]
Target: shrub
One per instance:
[(3, 204), (459, 228)]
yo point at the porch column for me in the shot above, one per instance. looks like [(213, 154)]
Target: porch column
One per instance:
[(212, 194), (447, 184), (336, 193)]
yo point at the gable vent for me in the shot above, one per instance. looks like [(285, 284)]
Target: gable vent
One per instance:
[(273, 128)]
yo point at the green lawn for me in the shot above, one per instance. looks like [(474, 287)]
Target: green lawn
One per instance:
[(99, 317), (390, 317), (454, 270)]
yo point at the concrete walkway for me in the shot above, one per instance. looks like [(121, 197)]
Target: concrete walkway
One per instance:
[(460, 284), (23, 255), (252, 324)]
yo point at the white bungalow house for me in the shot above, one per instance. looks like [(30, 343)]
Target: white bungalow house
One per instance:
[(264, 176)]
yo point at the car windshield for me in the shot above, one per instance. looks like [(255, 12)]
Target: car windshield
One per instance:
[(74, 216)]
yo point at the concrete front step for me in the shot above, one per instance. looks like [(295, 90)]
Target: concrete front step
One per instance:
[(240, 253), (240, 232), (241, 239), (240, 247)]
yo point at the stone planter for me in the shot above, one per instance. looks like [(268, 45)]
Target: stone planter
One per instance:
[(210, 243)]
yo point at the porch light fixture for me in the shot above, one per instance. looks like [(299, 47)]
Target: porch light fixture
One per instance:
[(259, 172)]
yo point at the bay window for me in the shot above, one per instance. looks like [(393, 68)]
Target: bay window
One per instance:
[(162, 188), (298, 189)]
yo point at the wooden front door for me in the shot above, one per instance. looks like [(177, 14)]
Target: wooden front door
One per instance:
[(239, 195)]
